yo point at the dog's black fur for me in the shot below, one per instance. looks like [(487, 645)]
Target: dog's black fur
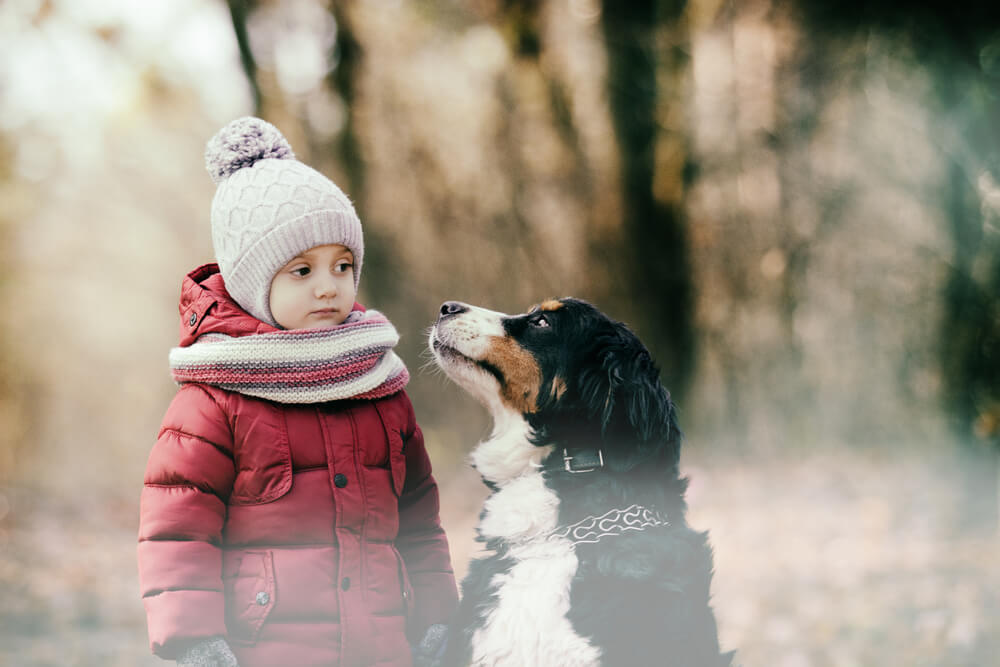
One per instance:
[(642, 597)]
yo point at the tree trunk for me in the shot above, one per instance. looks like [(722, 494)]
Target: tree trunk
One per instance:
[(238, 11), (655, 256)]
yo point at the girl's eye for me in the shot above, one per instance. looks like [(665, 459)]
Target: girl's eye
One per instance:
[(344, 266), (541, 322), (301, 271)]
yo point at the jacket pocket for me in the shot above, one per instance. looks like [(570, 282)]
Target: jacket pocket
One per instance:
[(262, 454), (248, 577), (405, 587), (397, 460), (393, 424)]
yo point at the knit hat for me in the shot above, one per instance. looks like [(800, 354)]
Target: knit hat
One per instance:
[(268, 208)]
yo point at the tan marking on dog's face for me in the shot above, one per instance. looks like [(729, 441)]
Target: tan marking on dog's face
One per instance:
[(551, 305), (522, 376)]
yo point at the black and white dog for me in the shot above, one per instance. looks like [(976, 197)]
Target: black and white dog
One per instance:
[(592, 561)]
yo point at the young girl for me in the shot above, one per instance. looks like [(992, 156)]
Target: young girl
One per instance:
[(289, 515)]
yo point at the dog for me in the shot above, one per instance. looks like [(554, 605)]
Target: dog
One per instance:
[(590, 559)]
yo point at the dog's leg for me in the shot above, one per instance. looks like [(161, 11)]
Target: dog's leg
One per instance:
[(478, 595)]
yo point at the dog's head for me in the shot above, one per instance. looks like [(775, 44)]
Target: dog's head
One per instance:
[(579, 378)]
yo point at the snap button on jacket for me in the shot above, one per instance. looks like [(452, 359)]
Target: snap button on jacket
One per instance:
[(256, 515)]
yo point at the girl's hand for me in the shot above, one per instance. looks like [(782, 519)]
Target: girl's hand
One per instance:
[(430, 651), (214, 652)]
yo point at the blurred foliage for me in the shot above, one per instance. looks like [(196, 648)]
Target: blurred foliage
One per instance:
[(958, 44)]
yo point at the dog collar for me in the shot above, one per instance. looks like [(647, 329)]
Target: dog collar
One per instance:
[(581, 460), (612, 523)]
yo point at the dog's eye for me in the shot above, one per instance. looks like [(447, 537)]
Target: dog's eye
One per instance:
[(541, 321)]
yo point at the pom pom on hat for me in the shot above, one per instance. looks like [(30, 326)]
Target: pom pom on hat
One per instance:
[(268, 208), (241, 143)]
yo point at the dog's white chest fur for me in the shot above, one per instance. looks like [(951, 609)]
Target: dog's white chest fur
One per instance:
[(528, 626)]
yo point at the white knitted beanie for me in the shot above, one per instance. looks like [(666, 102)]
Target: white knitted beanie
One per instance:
[(268, 208)]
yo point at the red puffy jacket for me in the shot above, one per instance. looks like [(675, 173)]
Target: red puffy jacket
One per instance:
[(303, 534)]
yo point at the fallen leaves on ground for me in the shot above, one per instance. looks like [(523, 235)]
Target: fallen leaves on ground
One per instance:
[(836, 559)]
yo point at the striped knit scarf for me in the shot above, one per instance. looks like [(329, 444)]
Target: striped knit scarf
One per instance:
[(352, 360)]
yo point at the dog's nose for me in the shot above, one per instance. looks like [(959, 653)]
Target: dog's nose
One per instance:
[(449, 308)]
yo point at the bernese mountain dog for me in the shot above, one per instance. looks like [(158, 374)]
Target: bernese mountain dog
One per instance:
[(590, 559)]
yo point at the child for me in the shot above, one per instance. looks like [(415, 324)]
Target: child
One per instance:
[(289, 515)]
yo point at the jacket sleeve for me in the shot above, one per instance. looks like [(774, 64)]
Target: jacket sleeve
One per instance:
[(188, 478), (421, 540)]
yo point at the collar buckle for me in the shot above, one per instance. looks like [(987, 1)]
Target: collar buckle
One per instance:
[(587, 464)]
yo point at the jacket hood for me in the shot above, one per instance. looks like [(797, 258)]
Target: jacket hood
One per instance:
[(206, 307)]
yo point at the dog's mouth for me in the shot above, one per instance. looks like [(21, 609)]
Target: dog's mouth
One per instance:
[(447, 353)]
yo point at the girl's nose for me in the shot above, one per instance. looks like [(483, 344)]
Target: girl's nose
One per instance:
[(326, 288)]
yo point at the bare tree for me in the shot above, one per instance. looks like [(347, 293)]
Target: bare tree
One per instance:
[(239, 10), (655, 237)]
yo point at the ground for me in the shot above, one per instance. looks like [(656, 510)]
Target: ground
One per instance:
[(835, 559)]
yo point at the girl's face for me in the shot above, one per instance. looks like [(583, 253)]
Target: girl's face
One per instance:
[(315, 289)]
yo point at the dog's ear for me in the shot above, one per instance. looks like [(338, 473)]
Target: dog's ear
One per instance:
[(621, 389)]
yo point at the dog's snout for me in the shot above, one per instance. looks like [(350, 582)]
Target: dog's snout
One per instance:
[(449, 308)]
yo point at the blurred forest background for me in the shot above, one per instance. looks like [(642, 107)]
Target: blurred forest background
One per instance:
[(794, 203)]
